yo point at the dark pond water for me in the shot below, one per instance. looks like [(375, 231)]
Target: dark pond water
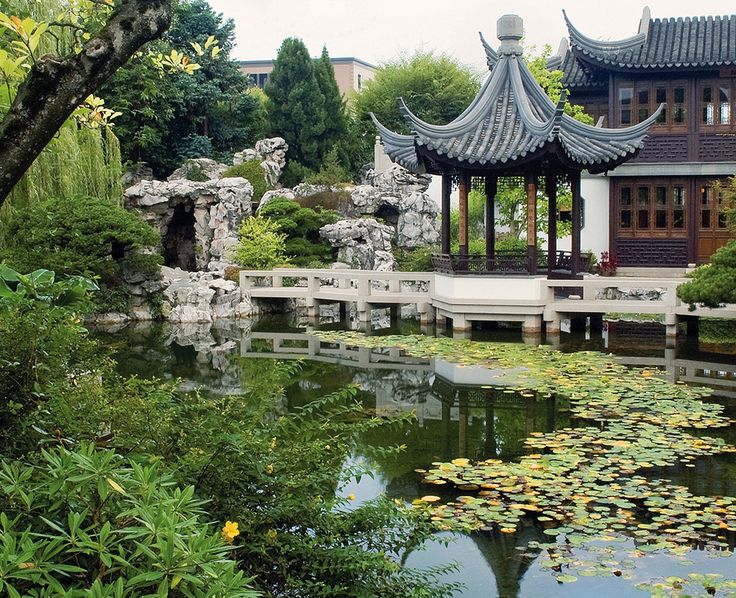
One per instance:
[(455, 416)]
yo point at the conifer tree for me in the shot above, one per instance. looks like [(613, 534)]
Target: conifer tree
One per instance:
[(296, 106), (336, 119)]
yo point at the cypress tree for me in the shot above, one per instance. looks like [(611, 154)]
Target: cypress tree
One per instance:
[(296, 106), (336, 120)]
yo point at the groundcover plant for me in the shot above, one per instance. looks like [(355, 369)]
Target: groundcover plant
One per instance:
[(595, 487)]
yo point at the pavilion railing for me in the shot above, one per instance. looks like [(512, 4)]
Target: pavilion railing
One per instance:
[(507, 262)]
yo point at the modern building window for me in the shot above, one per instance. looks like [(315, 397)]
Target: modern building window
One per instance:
[(360, 82)]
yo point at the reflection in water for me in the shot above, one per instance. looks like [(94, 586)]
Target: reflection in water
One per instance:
[(460, 411)]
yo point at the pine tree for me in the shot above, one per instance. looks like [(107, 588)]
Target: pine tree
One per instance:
[(336, 119), (296, 106)]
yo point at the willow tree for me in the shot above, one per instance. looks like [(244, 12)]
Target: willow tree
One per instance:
[(51, 86)]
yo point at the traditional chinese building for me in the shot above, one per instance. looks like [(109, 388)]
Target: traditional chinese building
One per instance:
[(662, 208), (512, 129)]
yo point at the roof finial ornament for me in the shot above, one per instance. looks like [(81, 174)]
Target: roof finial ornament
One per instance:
[(510, 30), (646, 17)]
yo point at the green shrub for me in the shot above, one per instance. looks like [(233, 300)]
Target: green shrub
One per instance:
[(194, 172), (330, 173), (509, 243), (261, 245), (91, 523), (80, 236), (295, 173), (415, 260), (301, 227), (252, 171), (338, 201)]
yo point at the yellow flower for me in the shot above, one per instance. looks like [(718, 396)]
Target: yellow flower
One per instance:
[(230, 531), (269, 468), (273, 442), (351, 496)]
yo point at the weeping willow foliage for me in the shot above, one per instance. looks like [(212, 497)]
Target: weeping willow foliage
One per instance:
[(79, 161)]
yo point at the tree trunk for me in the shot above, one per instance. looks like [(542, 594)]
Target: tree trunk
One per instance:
[(56, 86)]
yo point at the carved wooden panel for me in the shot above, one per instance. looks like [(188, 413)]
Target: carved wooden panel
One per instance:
[(717, 148), (663, 148), (652, 252)]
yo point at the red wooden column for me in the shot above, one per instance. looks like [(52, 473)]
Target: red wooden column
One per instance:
[(550, 183), (491, 190), (531, 222), (446, 192), (464, 189), (576, 222)]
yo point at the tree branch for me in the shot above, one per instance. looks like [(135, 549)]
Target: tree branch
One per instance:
[(55, 87)]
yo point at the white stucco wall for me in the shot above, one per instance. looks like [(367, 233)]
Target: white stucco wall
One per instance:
[(484, 290), (595, 233)]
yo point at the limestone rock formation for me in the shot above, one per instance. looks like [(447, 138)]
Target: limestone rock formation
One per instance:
[(362, 243), (198, 221), (272, 155), (400, 198), (197, 297), (197, 169)]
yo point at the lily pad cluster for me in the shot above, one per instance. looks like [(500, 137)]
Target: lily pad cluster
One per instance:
[(584, 484)]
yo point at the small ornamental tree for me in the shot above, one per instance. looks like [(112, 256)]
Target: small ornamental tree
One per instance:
[(261, 245), (713, 284), (296, 104)]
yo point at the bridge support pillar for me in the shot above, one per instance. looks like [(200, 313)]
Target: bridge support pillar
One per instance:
[(364, 312), (532, 324), (461, 324), (670, 322), (426, 313), (312, 308), (553, 325)]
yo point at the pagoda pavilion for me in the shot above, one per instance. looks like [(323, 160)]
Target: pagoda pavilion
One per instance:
[(511, 129)]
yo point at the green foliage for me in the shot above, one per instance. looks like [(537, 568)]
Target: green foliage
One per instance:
[(339, 201), (252, 171), (551, 82), (713, 284), (336, 124), (74, 236), (434, 86), (77, 162), (295, 173), (261, 244), (330, 173), (91, 523), (415, 260), (296, 104), (301, 226), (79, 236), (167, 117), (193, 172)]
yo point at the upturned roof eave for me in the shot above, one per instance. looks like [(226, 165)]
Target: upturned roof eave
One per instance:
[(551, 153)]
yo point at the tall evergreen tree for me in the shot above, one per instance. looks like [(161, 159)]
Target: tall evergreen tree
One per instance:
[(296, 106), (336, 119)]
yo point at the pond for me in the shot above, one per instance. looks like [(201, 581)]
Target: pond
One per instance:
[(470, 410)]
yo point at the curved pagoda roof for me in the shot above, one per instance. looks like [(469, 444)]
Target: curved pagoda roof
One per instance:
[(697, 42), (510, 123)]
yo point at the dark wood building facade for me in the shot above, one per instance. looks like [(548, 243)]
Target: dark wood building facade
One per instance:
[(664, 209)]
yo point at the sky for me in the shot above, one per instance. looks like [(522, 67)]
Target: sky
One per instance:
[(380, 30)]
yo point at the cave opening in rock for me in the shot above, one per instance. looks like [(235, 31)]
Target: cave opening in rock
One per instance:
[(179, 242), (389, 214)]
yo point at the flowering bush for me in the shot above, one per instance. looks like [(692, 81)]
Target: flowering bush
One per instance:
[(92, 523), (607, 264)]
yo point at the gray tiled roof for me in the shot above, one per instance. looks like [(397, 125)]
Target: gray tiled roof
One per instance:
[(665, 43), (510, 120), (575, 75)]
